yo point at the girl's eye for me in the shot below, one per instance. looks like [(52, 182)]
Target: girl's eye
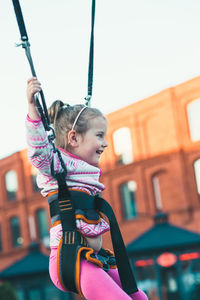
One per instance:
[(100, 135)]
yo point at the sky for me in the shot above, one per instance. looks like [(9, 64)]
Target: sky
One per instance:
[(141, 48)]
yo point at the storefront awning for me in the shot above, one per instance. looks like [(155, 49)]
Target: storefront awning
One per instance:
[(34, 262), (163, 236)]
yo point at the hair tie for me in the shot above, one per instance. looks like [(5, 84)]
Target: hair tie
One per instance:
[(65, 106)]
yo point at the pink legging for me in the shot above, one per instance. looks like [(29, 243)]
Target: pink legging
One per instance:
[(96, 284)]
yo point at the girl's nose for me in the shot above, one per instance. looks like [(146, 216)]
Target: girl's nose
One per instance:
[(105, 144)]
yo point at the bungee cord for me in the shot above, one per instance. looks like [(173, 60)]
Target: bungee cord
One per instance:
[(91, 57), (41, 105), (26, 45)]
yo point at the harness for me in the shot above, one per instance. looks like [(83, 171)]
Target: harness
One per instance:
[(63, 205), (74, 245)]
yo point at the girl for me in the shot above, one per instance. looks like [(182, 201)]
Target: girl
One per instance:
[(80, 136)]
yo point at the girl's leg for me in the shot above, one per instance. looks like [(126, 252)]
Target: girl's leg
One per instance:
[(53, 269), (140, 295), (96, 284)]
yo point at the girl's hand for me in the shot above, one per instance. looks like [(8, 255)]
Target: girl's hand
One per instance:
[(33, 87)]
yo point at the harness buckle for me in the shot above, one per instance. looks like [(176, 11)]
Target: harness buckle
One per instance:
[(87, 100), (25, 44)]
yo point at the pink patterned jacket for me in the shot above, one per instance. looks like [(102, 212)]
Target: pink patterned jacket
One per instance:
[(81, 176)]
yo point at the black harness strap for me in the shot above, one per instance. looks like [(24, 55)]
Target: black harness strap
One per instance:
[(125, 272), (20, 20), (72, 239)]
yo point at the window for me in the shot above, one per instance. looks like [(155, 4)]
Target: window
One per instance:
[(52, 293), (197, 174), (123, 145), (17, 240), (157, 194), (34, 177), (11, 184), (1, 246), (127, 191), (20, 294), (190, 271), (42, 223), (35, 293), (146, 278), (193, 111)]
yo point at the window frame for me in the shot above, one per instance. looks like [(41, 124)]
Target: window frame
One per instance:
[(42, 234), (14, 242), (9, 194), (191, 120), (122, 157), (195, 176), (131, 199)]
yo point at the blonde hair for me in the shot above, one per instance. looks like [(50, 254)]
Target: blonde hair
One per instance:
[(64, 116)]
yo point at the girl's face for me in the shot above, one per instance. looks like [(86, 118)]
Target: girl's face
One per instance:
[(92, 144)]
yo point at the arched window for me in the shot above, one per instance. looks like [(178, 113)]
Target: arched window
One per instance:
[(11, 185), (157, 194), (42, 224), (127, 191), (16, 238), (193, 111), (197, 174), (123, 145)]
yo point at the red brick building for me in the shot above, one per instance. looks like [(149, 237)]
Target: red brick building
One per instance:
[(152, 164), (164, 132)]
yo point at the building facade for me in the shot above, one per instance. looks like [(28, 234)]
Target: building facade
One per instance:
[(152, 164), (154, 157)]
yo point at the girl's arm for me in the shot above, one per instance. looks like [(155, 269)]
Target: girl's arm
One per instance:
[(33, 87), (40, 152)]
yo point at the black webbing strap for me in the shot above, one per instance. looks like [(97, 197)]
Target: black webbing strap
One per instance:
[(91, 56), (65, 209), (26, 45), (84, 201), (20, 20), (125, 272), (71, 240)]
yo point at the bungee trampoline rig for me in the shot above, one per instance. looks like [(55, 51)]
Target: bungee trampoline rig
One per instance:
[(65, 202)]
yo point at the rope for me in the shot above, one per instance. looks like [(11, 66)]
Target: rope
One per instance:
[(91, 57), (42, 108)]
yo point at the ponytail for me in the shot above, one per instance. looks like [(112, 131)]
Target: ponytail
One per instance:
[(54, 110)]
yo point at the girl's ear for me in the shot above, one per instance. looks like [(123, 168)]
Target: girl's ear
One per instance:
[(72, 138)]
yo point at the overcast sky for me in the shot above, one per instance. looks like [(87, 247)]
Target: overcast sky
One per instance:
[(141, 48)]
